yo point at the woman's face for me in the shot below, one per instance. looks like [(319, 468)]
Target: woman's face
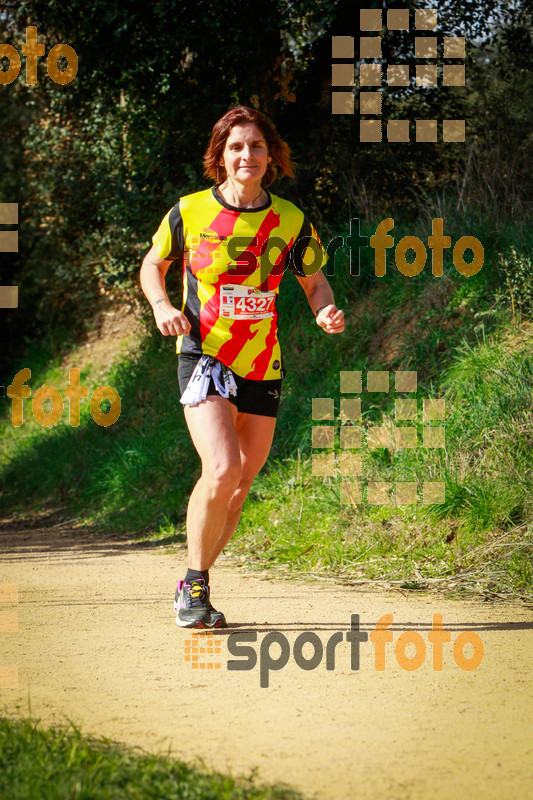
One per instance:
[(245, 156)]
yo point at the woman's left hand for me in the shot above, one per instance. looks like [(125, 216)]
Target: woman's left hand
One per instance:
[(331, 319)]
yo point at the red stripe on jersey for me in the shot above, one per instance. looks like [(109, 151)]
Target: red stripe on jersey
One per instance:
[(261, 362), (223, 224), (273, 280), (232, 347), (258, 245)]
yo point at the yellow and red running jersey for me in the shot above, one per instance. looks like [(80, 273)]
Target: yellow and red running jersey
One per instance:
[(233, 262)]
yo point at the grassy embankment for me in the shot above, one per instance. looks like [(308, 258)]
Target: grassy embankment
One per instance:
[(60, 764), (468, 340)]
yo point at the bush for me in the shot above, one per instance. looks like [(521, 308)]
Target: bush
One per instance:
[(519, 281)]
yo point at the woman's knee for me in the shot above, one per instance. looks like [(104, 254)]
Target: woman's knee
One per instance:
[(223, 478), (241, 493)]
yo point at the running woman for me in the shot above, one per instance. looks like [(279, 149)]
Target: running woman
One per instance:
[(235, 241)]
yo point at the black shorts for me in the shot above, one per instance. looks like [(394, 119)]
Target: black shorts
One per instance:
[(253, 397)]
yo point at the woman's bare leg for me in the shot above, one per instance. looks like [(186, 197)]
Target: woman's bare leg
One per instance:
[(254, 433), (212, 428)]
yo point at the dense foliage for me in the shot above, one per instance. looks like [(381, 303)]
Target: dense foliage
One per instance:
[(94, 164)]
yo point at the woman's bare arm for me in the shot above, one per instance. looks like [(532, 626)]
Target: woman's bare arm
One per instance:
[(320, 296), (169, 320)]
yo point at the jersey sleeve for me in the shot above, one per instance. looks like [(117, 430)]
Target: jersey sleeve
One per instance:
[(168, 239), (307, 254)]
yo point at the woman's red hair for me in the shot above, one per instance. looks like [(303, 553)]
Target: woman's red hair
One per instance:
[(277, 148)]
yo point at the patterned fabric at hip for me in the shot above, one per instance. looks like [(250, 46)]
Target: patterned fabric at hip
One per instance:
[(208, 367)]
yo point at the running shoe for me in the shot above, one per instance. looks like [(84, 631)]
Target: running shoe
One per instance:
[(191, 604), (218, 620)]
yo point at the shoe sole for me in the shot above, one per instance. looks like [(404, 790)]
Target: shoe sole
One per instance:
[(197, 623), (220, 623)]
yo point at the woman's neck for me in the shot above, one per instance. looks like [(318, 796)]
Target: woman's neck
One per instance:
[(235, 194)]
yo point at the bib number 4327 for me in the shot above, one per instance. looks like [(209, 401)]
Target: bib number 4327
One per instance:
[(252, 304), (244, 302)]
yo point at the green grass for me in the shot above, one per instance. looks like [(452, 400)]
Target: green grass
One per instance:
[(62, 764), (467, 340), (480, 538), (125, 476)]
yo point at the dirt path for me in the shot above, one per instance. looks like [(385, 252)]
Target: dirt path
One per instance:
[(97, 644)]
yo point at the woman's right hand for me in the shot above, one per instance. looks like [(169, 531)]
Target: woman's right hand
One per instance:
[(170, 320)]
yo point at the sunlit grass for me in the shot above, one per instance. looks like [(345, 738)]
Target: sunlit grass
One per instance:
[(60, 764)]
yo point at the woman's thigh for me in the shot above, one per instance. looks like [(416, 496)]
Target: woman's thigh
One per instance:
[(226, 439), (212, 425), (255, 434)]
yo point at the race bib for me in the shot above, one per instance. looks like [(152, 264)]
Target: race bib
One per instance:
[(246, 302)]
